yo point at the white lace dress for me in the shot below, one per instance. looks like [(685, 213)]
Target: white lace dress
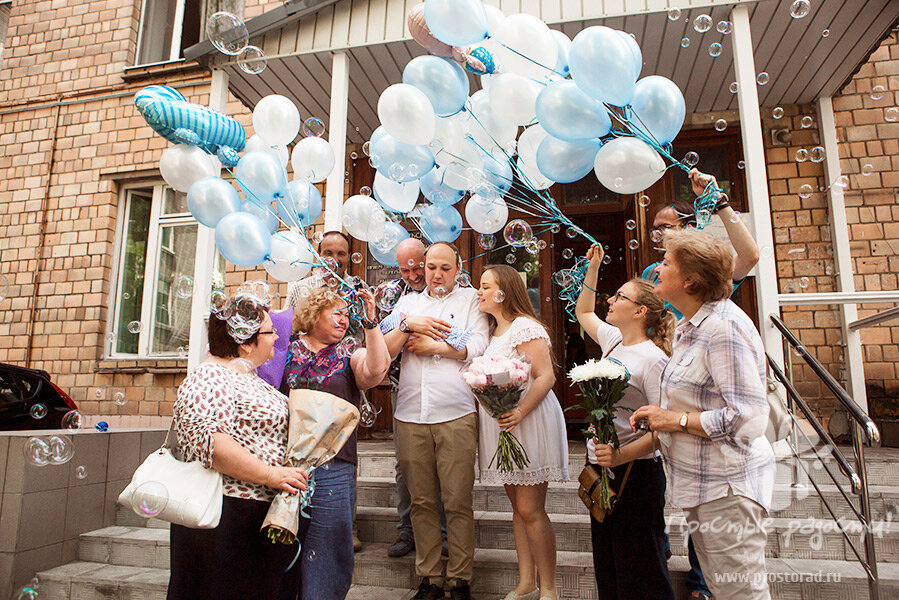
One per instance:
[(541, 433)]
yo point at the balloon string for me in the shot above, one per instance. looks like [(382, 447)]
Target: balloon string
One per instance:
[(539, 64)]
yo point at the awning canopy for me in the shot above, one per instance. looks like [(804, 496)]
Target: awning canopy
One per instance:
[(804, 58)]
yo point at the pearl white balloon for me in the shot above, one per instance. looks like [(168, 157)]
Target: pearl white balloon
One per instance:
[(398, 197), (489, 131), (628, 165), (182, 165), (512, 97), (525, 46), (528, 142), (486, 215), (291, 257), (407, 114), (448, 137), (363, 218), (257, 143), (312, 159), (276, 120)]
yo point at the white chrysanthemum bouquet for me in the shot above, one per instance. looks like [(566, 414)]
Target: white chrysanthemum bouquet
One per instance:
[(497, 383), (602, 384)]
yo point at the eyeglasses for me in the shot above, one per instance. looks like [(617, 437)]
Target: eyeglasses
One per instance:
[(618, 296), (266, 333), (662, 228)]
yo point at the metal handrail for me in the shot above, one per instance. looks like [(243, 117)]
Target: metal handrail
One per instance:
[(876, 319), (854, 410), (860, 422)]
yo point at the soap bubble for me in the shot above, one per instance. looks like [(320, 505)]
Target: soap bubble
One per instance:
[(734, 87), (61, 450), (805, 191), (510, 258), (891, 114), (318, 236), (867, 169), (556, 228), (877, 92), (149, 499), (4, 287), (644, 201), (386, 295), (630, 224), (691, 159), (310, 555), (656, 236), (562, 278), (227, 32), (777, 112), (633, 244), (463, 280), (685, 42), (365, 191), (184, 286), (72, 420), (38, 411), (674, 14), (98, 393), (715, 50), (720, 125), (134, 327), (532, 247), (702, 23), (366, 148), (353, 156), (801, 155), (241, 366), (367, 417), (741, 165), (528, 267), (762, 78), (440, 292), (499, 296), (487, 241), (567, 253), (120, 398), (517, 233), (356, 258), (252, 60), (541, 244), (841, 181), (346, 347), (571, 232), (313, 127), (806, 122), (725, 27), (218, 300), (735, 218), (606, 259), (799, 8), (816, 154), (803, 282), (37, 452)]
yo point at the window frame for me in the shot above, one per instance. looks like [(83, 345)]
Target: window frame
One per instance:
[(158, 220), (174, 54)]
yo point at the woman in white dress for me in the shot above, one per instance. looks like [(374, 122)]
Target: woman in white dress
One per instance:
[(537, 423)]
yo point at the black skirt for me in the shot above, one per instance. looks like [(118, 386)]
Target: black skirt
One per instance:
[(234, 560)]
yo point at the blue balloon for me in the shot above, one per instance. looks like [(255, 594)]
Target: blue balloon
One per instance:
[(398, 160), (567, 113), (264, 212), (211, 198), (634, 47), (443, 81), (565, 162), (301, 205), (440, 223), (435, 190), (602, 64), (658, 108), (243, 239), (498, 172), (181, 122), (261, 175), (456, 22), (387, 257)]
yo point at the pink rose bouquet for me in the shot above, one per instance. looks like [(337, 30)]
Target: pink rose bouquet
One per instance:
[(497, 383)]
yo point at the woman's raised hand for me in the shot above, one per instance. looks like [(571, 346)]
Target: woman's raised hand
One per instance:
[(595, 255)]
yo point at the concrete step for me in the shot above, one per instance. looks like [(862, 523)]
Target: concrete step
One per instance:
[(100, 581), (561, 498), (787, 538)]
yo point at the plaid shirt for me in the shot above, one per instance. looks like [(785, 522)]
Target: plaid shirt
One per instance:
[(717, 368)]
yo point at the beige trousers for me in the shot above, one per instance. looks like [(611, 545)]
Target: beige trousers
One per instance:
[(729, 537), (437, 461)]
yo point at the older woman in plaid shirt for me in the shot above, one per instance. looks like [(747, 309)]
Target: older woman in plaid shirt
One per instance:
[(713, 415)]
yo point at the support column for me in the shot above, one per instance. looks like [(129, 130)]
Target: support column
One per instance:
[(340, 90), (756, 179), (204, 260), (852, 345)]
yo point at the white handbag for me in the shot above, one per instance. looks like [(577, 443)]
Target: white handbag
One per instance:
[(166, 488)]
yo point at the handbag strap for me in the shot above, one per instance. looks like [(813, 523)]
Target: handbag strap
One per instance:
[(171, 442), (627, 473), (615, 345)]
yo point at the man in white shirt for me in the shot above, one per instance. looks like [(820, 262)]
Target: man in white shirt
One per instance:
[(439, 331)]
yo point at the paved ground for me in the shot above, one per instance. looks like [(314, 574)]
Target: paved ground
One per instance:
[(362, 592)]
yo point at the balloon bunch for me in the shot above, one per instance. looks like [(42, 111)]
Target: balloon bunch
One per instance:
[(550, 110)]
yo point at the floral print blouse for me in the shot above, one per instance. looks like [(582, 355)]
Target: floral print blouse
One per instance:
[(216, 399)]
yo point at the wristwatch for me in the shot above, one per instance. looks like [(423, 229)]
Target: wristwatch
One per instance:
[(369, 324), (723, 202), (683, 423), (404, 327)]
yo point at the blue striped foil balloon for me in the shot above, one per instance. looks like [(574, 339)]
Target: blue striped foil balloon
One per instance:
[(182, 122)]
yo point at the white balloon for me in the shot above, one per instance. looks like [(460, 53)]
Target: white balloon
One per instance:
[(528, 142), (291, 257), (400, 197), (312, 159), (276, 120), (256, 143), (455, 172), (448, 137), (182, 165), (525, 46), (486, 215), (363, 218), (628, 165), (407, 114), (512, 98), (495, 17), (532, 176), (490, 133)]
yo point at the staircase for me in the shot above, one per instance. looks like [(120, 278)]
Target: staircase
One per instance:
[(130, 560)]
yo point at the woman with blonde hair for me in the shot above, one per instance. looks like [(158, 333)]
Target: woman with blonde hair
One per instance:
[(629, 545), (538, 424)]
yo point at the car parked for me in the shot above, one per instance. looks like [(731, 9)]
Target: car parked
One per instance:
[(30, 400)]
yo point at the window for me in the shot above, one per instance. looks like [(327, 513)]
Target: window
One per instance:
[(4, 23), (167, 28), (151, 311)]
